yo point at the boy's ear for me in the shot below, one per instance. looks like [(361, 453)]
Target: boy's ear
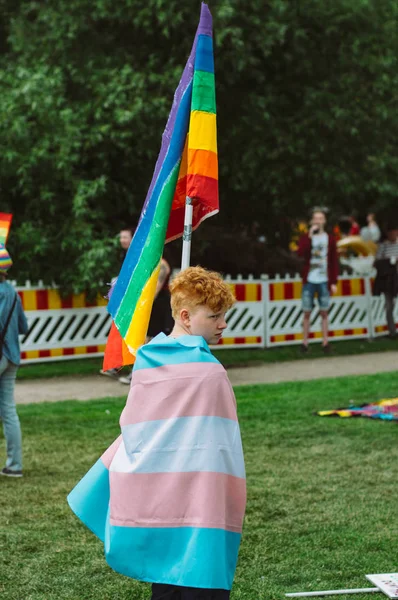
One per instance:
[(184, 316)]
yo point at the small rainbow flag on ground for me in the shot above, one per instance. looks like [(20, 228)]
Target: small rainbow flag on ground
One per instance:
[(187, 166), (5, 224)]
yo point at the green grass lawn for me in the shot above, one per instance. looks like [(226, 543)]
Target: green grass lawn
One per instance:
[(322, 496), (229, 358)]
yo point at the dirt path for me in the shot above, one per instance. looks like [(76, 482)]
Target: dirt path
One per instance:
[(98, 386)]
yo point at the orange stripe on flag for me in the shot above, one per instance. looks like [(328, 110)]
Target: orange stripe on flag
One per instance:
[(116, 351), (203, 162)]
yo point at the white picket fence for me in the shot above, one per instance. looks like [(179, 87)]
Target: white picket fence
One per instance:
[(268, 313)]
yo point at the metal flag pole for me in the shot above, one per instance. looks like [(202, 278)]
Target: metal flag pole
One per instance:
[(333, 592), (187, 237)]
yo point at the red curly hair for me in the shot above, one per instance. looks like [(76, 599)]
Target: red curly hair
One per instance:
[(196, 286)]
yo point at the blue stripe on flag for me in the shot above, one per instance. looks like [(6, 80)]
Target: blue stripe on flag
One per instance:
[(185, 349), (181, 445), (204, 60), (89, 500), (187, 556)]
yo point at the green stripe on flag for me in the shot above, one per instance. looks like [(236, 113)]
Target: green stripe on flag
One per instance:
[(151, 253), (204, 92)]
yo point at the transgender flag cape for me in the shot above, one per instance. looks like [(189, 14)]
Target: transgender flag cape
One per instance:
[(168, 497)]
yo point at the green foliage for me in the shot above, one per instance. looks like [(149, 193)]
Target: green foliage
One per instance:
[(307, 109)]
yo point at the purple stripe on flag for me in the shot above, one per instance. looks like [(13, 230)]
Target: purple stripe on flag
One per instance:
[(204, 27)]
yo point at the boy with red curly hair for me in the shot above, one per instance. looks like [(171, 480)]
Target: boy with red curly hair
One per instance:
[(168, 497)]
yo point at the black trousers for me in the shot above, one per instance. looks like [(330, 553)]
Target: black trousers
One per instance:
[(161, 591)]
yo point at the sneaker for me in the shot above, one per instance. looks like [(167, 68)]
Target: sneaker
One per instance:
[(126, 380), (326, 349), (304, 349), (9, 473), (114, 373)]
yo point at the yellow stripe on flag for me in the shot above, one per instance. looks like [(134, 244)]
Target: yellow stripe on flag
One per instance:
[(203, 131), (137, 331)]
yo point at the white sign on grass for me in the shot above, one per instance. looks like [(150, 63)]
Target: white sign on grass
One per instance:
[(386, 582)]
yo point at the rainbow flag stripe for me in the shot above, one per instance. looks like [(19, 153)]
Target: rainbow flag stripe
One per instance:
[(186, 166), (5, 224), (198, 176)]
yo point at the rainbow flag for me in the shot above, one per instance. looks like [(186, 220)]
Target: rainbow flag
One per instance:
[(187, 166), (5, 224)]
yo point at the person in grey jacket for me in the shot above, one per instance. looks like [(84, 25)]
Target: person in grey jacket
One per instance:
[(12, 323)]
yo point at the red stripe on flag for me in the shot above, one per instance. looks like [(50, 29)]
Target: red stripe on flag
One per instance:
[(348, 331), (289, 337), (239, 340), (44, 353), (91, 349), (202, 206), (204, 188), (68, 351), (42, 299)]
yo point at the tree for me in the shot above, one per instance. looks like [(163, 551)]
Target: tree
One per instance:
[(307, 95)]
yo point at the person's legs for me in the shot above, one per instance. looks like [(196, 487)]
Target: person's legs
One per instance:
[(9, 416), (306, 327), (204, 594), (324, 303), (163, 591), (390, 301), (307, 305), (325, 327)]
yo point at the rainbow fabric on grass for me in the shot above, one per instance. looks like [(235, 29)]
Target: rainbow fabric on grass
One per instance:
[(187, 166)]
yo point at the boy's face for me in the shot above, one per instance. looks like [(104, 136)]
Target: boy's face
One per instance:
[(203, 321)]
